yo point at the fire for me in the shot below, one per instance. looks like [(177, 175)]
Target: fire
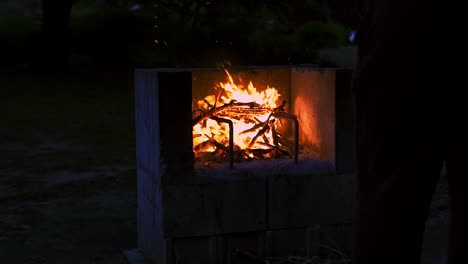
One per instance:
[(252, 113)]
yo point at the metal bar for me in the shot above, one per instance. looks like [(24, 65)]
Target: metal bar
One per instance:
[(296, 131), (231, 138)]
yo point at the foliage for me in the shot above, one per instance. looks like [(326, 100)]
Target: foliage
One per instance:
[(318, 35), (202, 32), (246, 31), (18, 36), (105, 32)]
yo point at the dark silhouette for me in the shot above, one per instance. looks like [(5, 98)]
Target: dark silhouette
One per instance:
[(411, 117)]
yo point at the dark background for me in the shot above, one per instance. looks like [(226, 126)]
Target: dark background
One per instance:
[(35, 33), (67, 136)]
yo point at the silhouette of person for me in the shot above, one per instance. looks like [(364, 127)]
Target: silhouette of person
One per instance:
[(411, 117)]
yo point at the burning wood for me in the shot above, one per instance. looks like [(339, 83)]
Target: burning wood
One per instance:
[(251, 114), (215, 110)]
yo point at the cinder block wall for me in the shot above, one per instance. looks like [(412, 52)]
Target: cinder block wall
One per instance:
[(181, 220)]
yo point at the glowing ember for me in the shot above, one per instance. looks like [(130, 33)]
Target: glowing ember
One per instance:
[(252, 114)]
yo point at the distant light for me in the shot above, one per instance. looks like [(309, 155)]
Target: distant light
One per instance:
[(156, 41), (135, 7), (352, 35)]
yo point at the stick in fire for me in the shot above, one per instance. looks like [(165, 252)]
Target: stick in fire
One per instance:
[(256, 134), (260, 126)]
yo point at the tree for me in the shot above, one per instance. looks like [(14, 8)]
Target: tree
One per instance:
[(55, 32), (349, 12)]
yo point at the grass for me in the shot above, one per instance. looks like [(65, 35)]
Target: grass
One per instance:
[(80, 126), (97, 111)]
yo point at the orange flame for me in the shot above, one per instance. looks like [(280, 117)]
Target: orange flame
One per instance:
[(242, 120)]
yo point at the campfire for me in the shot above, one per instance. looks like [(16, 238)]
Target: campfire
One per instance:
[(242, 123)]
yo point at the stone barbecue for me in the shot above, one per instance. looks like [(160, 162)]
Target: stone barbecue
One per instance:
[(224, 175)]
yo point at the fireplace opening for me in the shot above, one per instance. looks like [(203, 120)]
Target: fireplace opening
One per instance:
[(262, 114), (240, 122)]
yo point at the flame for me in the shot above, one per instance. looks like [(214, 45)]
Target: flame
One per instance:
[(236, 92), (243, 118)]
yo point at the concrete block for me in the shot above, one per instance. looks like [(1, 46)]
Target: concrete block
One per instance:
[(214, 208), (238, 206), (203, 222), (174, 114), (145, 184), (146, 123), (147, 131), (313, 240), (196, 250), (338, 237), (344, 123), (299, 200), (145, 225), (286, 201), (134, 256), (161, 247), (244, 247), (187, 211), (313, 92), (284, 243), (329, 199)]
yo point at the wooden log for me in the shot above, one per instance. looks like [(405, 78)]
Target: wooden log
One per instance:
[(274, 135), (252, 129), (280, 108), (261, 132), (216, 144), (202, 145), (208, 103), (259, 153), (216, 110), (282, 151), (285, 143)]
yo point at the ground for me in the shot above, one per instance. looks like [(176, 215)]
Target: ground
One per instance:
[(67, 170)]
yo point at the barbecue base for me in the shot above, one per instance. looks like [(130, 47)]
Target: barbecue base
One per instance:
[(196, 213), (267, 214)]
